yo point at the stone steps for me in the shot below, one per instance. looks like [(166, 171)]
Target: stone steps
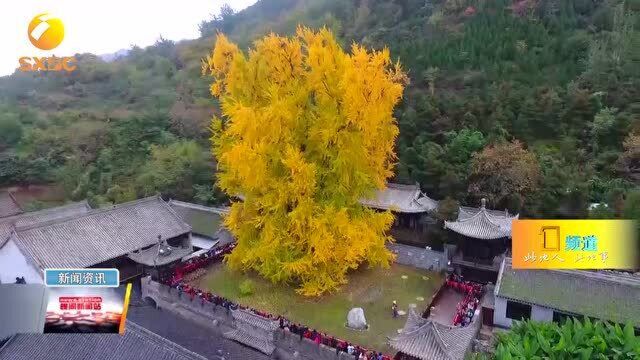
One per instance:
[(261, 345)]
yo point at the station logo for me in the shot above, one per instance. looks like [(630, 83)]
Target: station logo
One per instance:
[(46, 32), (575, 244)]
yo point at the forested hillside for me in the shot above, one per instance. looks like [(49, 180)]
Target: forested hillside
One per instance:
[(533, 104)]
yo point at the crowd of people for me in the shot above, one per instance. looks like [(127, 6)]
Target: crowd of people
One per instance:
[(210, 257), (467, 307), (176, 281), (358, 352)]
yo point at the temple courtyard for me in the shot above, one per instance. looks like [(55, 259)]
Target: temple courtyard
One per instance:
[(373, 290)]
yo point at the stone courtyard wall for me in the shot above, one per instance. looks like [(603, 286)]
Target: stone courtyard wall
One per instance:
[(288, 346)]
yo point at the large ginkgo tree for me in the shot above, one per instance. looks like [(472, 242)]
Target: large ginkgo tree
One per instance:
[(307, 130)]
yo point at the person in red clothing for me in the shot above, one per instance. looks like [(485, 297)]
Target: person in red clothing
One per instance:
[(318, 339)]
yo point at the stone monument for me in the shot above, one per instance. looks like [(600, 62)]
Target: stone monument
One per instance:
[(356, 319)]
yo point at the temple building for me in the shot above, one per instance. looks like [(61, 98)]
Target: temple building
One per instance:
[(553, 295), (412, 210), (483, 237), (132, 237), (428, 339)]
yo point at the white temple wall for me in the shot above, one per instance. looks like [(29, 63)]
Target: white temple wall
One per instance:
[(13, 263), (500, 313), (538, 313), (541, 313)]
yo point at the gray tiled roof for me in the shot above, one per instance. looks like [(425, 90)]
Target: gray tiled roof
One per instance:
[(204, 220), (99, 235), (611, 296), (481, 223), (401, 198), (465, 212), (147, 256), (8, 205), (429, 340), (31, 218), (137, 343)]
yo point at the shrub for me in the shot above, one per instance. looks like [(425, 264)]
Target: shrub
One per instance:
[(246, 287), (573, 340)]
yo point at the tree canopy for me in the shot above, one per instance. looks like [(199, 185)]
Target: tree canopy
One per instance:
[(504, 173), (307, 130)]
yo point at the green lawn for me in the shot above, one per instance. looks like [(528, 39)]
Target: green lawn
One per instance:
[(371, 289)]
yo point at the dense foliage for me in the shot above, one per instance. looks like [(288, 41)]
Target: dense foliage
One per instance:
[(307, 131), (559, 76), (572, 340)]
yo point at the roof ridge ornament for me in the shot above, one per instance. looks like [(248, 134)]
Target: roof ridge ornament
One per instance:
[(483, 203)]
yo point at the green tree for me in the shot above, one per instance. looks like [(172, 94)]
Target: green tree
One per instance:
[(602, 128), (209, 194), (632, 206), (430, 76), (10, 130), (173, 170), (462, 145), (613, 56)]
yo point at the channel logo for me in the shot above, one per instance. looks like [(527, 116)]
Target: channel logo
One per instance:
[(46, 32), (575, 244)]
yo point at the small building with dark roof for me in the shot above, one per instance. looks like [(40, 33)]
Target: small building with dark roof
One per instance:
[(552, 295), (427, 339), (483, 237), (137, 343), (100, 238), (8, 205), (412, 210), (206, 224)]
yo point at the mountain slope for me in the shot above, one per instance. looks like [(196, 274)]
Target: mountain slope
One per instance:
[(559, 76)]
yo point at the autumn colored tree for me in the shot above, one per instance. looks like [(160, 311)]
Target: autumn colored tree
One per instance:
[(629, 160), (504, 174), (307, 130)]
